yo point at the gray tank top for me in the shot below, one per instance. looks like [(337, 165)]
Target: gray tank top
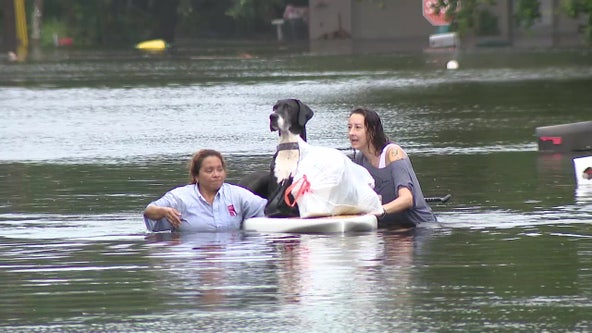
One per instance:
[(388, 180)]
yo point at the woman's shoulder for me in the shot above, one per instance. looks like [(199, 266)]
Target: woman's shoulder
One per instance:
[(241, 194), (236, 189), (394, 152), (182, 189), (185, 187)]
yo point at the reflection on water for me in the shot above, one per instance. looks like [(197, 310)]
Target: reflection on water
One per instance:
[(87, 140), (81, 227), (423, 281), (584, 195)]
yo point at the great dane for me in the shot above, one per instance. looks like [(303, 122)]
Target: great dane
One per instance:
[(288, 118)]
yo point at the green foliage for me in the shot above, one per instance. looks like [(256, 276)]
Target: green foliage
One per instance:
[(242, 10), (463, 18), (575, 8), (128, 21), (188, 18), (124, 22), (70, 18), (113, 22), (250, 13), (527, 12), (487, 24), (52, 27), (464, 14), (467, 16)]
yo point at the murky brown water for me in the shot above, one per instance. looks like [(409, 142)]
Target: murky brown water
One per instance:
[(87, 139)]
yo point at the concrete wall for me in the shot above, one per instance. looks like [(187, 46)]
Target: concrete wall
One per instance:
[(330, 26), (396, 26), (350, 26), (502, 10), (553, 29)]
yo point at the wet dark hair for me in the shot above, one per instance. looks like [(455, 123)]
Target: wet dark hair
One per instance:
[(374, 130), (197, 161)]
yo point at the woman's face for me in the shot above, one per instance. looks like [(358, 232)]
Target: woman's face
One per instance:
[(211, 175), (357, 131)]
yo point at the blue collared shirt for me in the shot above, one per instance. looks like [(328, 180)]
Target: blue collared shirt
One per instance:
[(232, 205)]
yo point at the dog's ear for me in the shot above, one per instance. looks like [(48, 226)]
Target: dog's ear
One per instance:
[(304, 113)]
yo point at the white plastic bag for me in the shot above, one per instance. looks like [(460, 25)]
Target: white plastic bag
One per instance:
[(328, 183)]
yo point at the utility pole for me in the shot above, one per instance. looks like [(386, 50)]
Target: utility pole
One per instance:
[(22, 36), (36, 23), (36, 20), (555, 5)]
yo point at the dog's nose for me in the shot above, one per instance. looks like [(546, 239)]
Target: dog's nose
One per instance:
[(273, 117)]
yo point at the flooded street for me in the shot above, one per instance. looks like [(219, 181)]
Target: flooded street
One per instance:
[(88, 138)]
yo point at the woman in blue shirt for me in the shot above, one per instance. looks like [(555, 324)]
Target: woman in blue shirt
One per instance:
[(395, 181), (207, 204)]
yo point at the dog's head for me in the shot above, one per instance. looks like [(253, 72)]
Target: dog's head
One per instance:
[(290, 116)]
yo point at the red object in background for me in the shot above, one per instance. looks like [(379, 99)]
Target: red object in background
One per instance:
[(429, 12), (65, 41), (556, 140)]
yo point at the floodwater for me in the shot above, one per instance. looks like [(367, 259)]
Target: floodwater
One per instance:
[(88, 138)]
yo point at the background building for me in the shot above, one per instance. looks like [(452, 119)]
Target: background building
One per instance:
[(351, 26)]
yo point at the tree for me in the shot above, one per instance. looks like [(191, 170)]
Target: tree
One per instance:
[(464, 14), (575, 8), (121, 22), (527, 12)]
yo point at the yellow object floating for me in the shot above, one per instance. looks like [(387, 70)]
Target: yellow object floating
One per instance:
[(152, 45)]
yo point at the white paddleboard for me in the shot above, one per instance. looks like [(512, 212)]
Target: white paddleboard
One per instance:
[(329, 224)]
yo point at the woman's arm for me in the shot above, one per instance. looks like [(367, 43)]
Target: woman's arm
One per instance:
[(154, 212), (252, 204), (403, 201)]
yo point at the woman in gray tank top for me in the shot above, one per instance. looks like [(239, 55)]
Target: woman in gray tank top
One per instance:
[(403, 202)]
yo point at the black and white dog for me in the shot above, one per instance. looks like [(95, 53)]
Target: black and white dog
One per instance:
[(288, 118), (351, 185)]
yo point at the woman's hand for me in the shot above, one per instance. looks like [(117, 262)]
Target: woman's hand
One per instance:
[(403, 201), (171, 214)]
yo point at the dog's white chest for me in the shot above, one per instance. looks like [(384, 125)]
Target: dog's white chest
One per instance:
[(286, 162)]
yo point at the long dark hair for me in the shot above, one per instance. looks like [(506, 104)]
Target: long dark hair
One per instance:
[(374, 130), (197, 161)]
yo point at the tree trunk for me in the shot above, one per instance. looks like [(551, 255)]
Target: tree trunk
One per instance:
[(10, 42), (36, 19), (166, 14)]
